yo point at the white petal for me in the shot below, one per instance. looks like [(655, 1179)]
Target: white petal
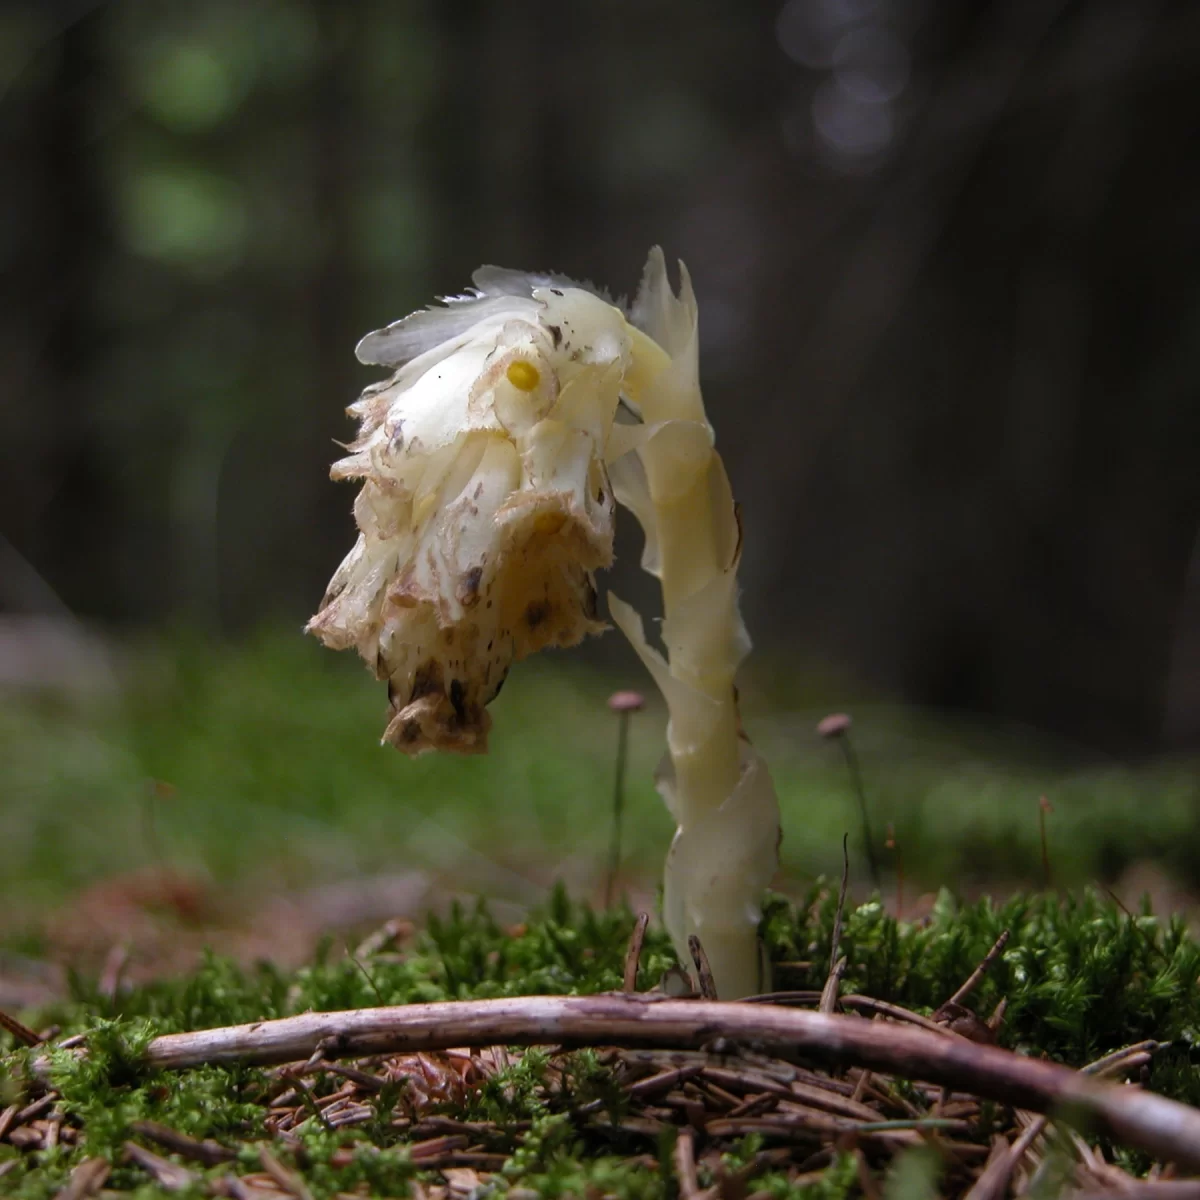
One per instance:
[(589, 402), (503, 281), (632, 491), (673, 454), (693, 714), (705, 636), (486, 504), (669, 320), (429, 328)]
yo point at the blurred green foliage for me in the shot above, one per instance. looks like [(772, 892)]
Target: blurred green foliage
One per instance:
[(214, 201), (275, 779), (204, 206)]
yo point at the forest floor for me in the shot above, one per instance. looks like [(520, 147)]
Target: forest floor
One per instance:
[(171, 804), (92, 1107)]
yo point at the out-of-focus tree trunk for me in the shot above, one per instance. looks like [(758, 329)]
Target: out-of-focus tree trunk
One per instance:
[(54, 489)]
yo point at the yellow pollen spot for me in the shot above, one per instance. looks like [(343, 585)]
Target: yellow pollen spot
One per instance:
[(523, 375)]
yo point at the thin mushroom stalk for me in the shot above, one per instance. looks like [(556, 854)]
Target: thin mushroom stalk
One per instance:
[(490, 461)]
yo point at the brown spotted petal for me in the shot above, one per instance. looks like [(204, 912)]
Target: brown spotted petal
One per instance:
[(485, 508)]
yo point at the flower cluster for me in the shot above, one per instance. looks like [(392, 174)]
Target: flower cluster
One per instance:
[(490, 462), (485, 506)]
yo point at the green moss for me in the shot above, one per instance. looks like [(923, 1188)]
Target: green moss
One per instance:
[(1081, 978)]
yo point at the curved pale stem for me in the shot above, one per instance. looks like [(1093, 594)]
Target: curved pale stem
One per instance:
[(715, 785)]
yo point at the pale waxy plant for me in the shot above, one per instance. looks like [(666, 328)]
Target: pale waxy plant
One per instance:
[(490, 461), (714, 783), (485, 506)]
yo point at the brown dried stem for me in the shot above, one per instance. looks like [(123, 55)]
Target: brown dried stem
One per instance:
[(168, 1175), (704, 975), (210, 1154), (1151, 1123), (633, 956), (86, 1179), (980, 971), (22, 1033), (685, 1166), (837, 965)]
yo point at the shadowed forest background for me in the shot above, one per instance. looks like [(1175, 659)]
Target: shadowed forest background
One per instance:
[(948, 265)]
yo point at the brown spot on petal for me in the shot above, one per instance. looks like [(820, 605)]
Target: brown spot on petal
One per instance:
[(426, 681), (536, 613), (435, 721), (403, 593), (590, 601), (458, 698), (468, 590)]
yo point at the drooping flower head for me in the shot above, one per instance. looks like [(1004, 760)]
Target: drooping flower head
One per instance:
[(490, 460), (485, 506)]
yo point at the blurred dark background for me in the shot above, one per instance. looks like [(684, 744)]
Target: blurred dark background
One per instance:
[(947, 255)]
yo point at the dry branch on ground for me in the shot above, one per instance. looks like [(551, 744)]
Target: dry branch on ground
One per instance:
[(746, 1092)]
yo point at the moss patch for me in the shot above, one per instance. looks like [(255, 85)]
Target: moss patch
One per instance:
[(1081, 977)]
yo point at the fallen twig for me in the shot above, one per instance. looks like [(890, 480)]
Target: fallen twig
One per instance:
[(208, 1153), (704, 975), (633, 956), (168, 1175), (86, 1180), (287, 1180), (1000, 1168), (829, 994), (1145, 1189), (837, 964), (22, 1033), (685, 1165), (883, 1008), (310, 1101), (972, 981), (1140, 1119), (372, 1083), (34, 1109)]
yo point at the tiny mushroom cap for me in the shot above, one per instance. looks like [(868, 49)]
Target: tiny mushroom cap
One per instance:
[(834, 725), (626, 702)]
